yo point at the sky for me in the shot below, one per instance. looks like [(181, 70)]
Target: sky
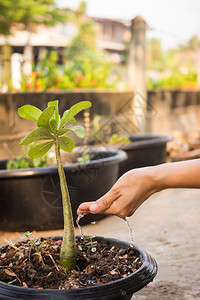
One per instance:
[(173, 21)]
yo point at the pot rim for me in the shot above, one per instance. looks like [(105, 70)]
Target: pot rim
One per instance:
[(106, 286), (116, 156), (147, 140)]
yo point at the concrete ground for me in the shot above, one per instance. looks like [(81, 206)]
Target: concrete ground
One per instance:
[(168, 227)]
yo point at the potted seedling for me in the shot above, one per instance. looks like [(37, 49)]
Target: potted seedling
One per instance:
[(69, 261), (51, 128), (41, 207)]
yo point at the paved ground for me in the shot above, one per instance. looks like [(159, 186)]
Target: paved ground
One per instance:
[(168, 227)]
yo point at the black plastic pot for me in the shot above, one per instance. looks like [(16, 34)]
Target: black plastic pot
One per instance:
[(121, 289), (30, 199), (143, 151)]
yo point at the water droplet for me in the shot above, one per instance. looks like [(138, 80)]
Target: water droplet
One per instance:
[(79, 226), (130, 232), (93, 249), (91, 282)]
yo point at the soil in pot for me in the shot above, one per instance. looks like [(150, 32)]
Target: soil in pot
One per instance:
[(129, 266), (34, 263)]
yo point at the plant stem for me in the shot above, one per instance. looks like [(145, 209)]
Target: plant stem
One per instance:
[(68, 252)]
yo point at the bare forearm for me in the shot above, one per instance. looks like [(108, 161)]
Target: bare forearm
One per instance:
[(184, 174), (137, 185)]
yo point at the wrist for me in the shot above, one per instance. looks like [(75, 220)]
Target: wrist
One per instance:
[(159, 177), (151, 177), (165, 176)]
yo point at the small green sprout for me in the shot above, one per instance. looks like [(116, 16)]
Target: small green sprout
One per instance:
[(26, 235), (51, 132), (118, 139), (85, 157), (91, 244), (24, 162), (33, 241)]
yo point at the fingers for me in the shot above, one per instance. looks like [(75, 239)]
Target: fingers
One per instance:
[(84, 208), (102, 204), (97, 207), (91, 207)]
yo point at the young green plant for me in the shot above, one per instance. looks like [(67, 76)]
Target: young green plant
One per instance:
[(51, 131)]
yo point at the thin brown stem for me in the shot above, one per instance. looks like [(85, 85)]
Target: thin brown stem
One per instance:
[(68, 252)]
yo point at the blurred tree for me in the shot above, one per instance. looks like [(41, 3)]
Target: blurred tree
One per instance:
[(155, 56), (83, 43), (172, 61), (193, 43), (82, 7), (175, 67), (84, 59), (29, 13), (36, 12), (7, 18)]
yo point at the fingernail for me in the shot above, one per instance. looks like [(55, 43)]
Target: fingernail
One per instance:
[(94, 207)]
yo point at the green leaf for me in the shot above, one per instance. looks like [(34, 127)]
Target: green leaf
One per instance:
[(44, 119), (36, 135), (40, 150), (75, 109), (55, 116), (73, 120), (29, 112), (78, 130), (53, 125), (63, 131), (66, 144)]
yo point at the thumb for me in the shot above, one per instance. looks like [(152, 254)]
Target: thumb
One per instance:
[(100, 206)]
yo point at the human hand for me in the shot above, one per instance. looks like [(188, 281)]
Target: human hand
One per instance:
[(126, 195)]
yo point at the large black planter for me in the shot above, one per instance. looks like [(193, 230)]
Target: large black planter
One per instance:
[(30, 199), (143, 151), (121, 289)]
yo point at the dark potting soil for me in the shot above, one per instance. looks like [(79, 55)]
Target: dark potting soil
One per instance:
[(34, 263)]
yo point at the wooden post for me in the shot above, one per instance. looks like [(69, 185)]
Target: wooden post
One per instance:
[(86, 116), (41, 53), (6, 61), (28, 54), (28, 59), (198, 66), (137, 71)]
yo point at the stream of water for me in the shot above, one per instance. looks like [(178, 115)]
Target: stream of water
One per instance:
[(79, 226), (125, 219), (130, 231)]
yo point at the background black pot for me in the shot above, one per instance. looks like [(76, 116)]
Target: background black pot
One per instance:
[(30, 199), (122, 289), (144, 150)]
